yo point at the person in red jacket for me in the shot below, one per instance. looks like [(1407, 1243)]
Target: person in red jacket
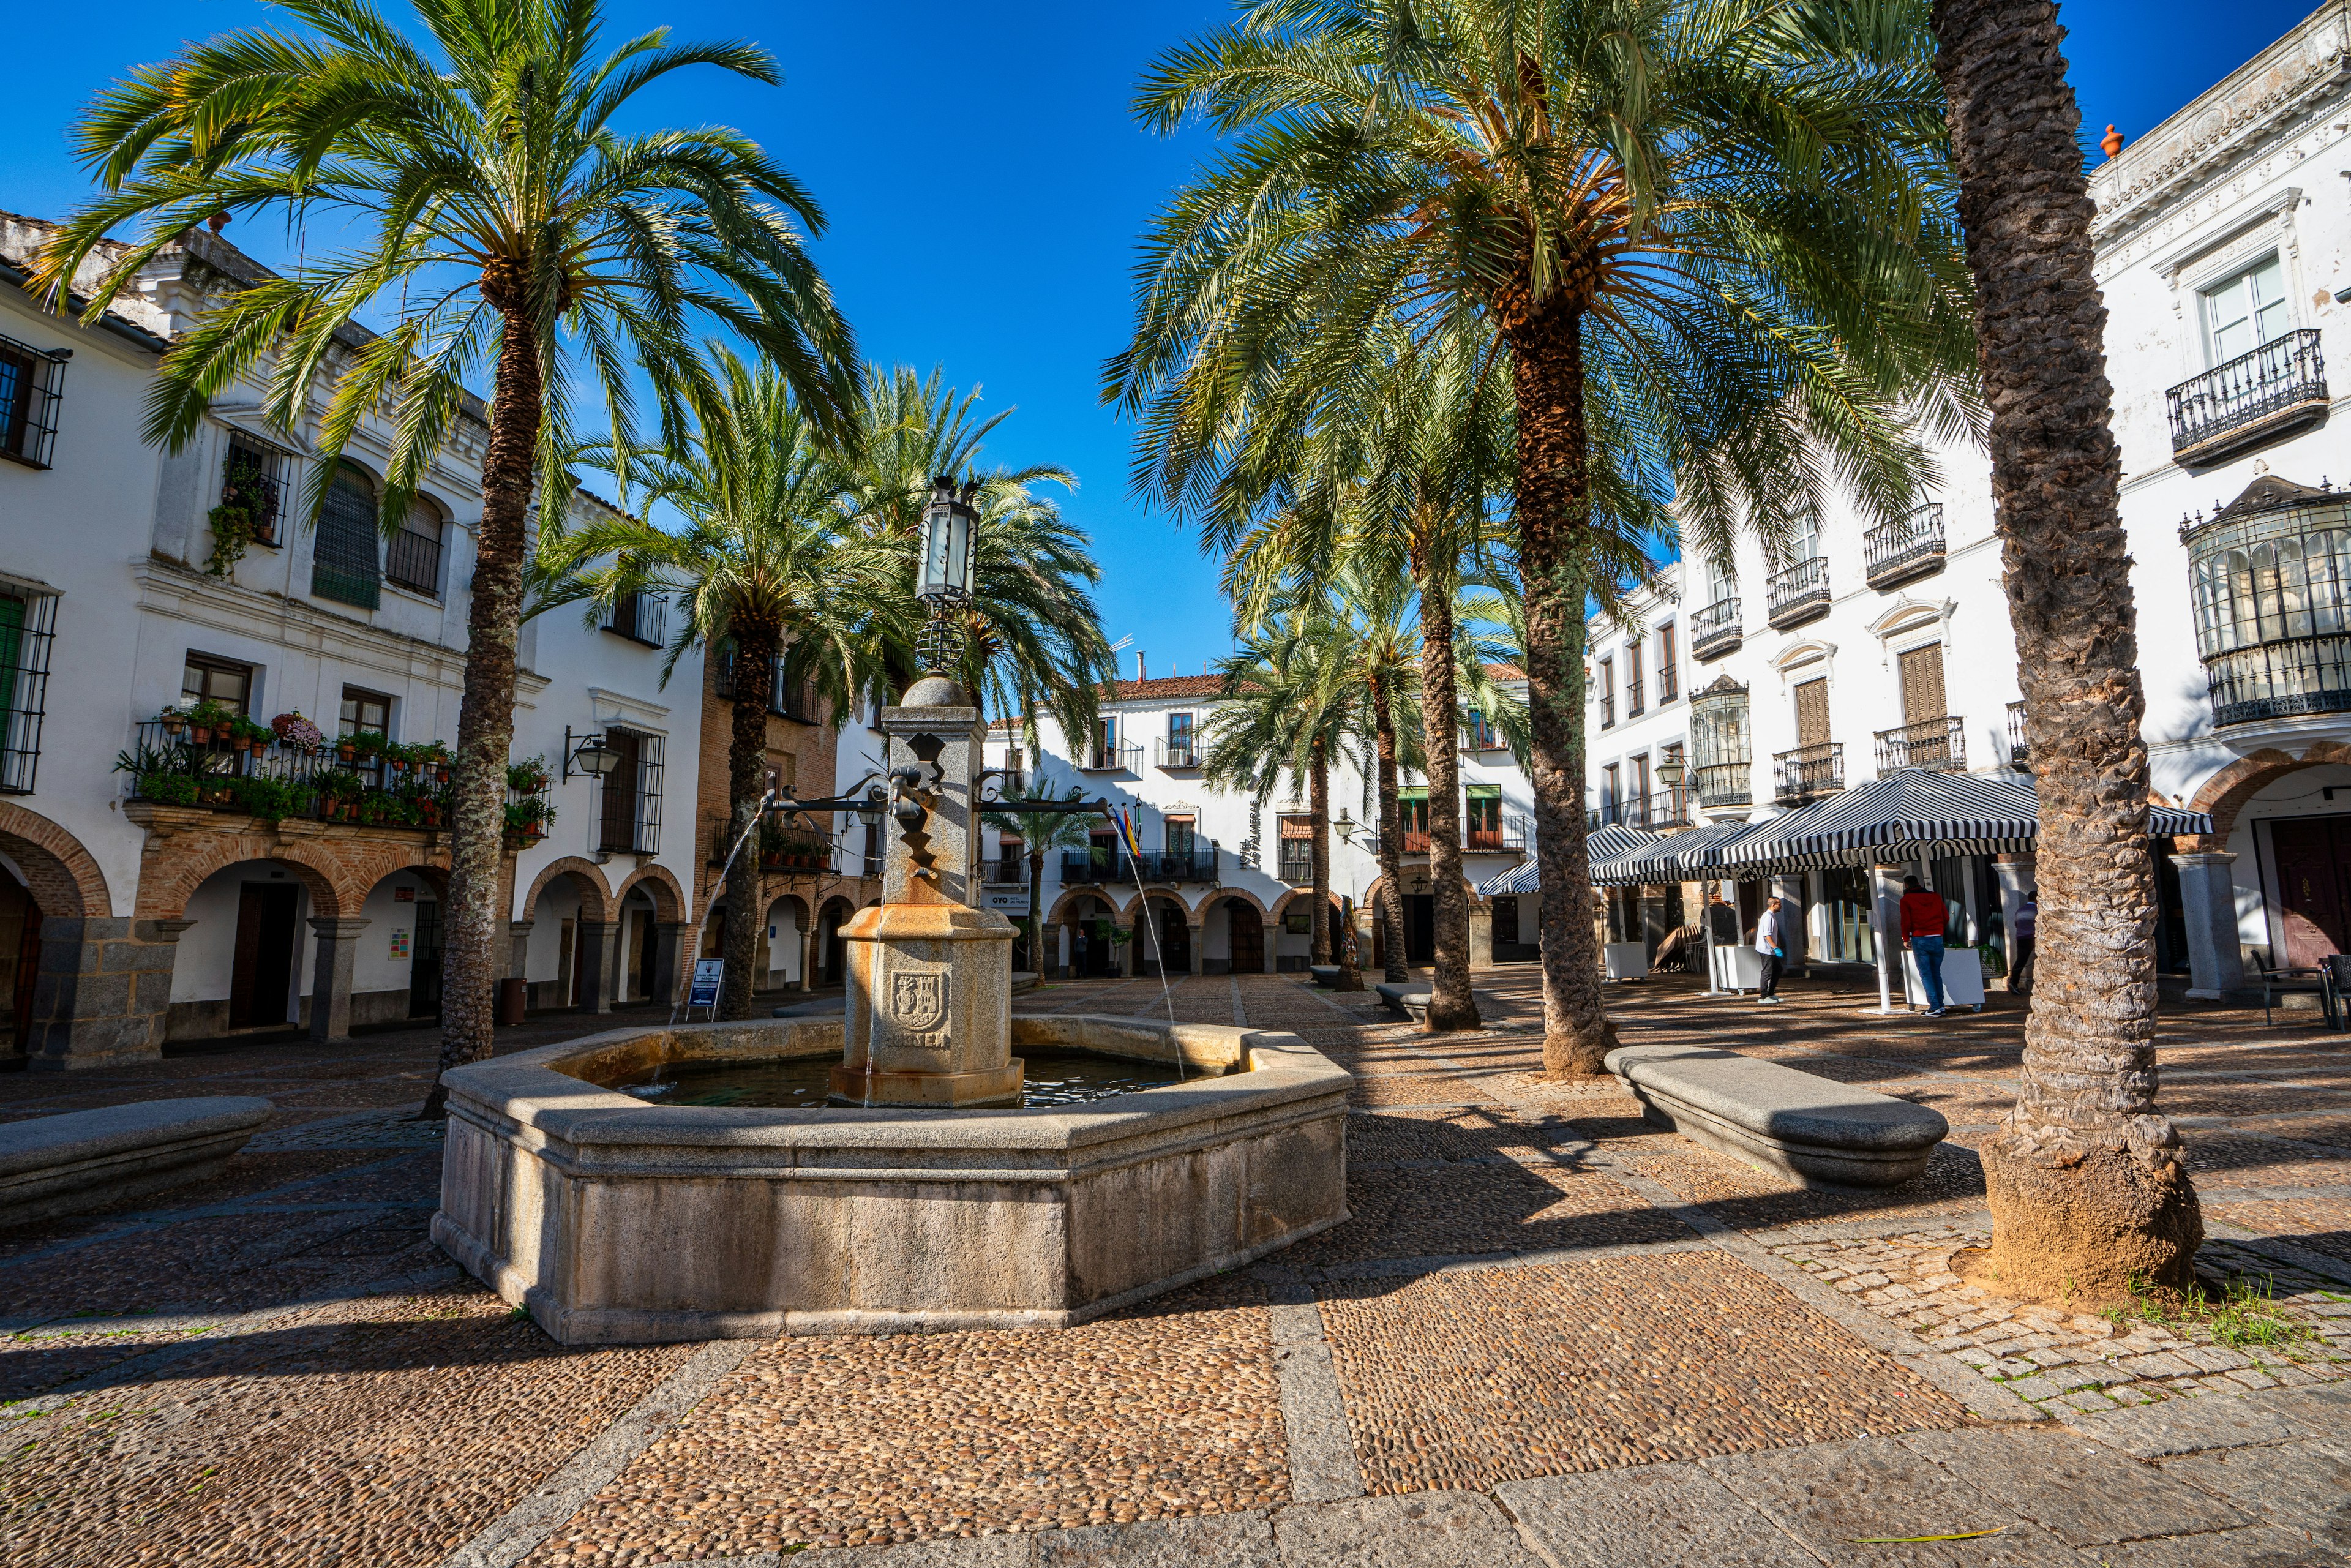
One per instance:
[(1923, 914)]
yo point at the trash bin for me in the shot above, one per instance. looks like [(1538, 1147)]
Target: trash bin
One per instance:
[(512, 994)]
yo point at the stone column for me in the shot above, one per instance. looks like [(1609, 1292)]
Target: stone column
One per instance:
[(669, 942), (518, 955), (2207, 897), (1653, 920), (594, 982), (1481, 932), (103, 992), (1886, 906), (1197, 943), (337, 944), (807, 955)]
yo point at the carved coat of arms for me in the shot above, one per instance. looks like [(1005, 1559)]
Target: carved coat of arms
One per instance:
[(918, 1000)]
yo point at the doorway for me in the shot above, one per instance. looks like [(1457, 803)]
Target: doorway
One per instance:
[(1419, 927), (1174, 954), (2312, 855), (20, 960), (424, 964), (261, 984), (1244, 937)]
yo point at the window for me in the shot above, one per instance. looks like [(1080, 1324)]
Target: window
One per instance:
[(629, 817), (1182, 834), (1723, 581), (219, 681), (253, 481), (1812, 713), (1179, 734), (365, 712), (31, 382), (1483, 828), (1640, 804), (1607, 684), (344, 566), (2246, 311), (640, 618), (1412, 817), (1297, 849), (1105, 741), (25, 622), (1804, 539), (1922, 683), (1636, 700), (1012, 760), (1479, 732), (1670, 674), (1608, 793), (412, 558)]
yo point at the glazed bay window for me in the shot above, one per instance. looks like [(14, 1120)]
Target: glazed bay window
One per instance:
[(2272, 576), (28, 622), (1721, 765), (32, 383), (346, 566)]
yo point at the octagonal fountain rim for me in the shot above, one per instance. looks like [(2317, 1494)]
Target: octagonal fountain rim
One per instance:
[(544, 1089)]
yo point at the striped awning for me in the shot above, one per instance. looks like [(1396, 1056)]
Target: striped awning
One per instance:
[(1913, 814), (1677, 857), (1600, 844)]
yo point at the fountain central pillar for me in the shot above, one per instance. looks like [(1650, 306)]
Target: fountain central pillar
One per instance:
[(929, 1012)]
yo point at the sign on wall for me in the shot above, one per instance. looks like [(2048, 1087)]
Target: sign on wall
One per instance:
[(399, 943), (1007, 901)]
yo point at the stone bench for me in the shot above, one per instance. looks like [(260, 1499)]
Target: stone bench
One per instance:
[(1325, 975), (1823, 1133), (87, 1159), (1410, 1001)]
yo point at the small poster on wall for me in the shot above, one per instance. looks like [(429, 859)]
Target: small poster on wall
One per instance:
[(1296, 923), (399, 942)]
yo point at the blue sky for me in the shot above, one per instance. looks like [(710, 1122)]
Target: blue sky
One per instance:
[(985, 187)]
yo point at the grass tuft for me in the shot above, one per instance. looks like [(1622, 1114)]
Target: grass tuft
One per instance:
[(2243, 1315)]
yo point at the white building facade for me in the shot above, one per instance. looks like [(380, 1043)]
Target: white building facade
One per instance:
[(228, 878)]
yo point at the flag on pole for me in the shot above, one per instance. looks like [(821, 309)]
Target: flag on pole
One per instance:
[(1126, 831)]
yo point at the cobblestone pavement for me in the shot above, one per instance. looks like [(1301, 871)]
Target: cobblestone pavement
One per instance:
[(1551, 1335)]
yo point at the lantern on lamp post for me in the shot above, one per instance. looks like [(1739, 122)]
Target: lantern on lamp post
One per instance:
[(943, 572)]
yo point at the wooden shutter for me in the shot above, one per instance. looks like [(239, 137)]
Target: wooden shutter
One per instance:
[(1812, 713), (1922, 683)]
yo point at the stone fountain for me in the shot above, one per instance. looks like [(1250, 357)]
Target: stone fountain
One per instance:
[(927, 1196)]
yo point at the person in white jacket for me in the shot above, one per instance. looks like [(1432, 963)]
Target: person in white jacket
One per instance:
[(1767, 943)]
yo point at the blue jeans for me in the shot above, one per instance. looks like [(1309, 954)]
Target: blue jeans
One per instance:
[(1929, 951)]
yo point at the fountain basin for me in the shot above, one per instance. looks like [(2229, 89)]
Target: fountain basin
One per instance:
[(614, 1221)]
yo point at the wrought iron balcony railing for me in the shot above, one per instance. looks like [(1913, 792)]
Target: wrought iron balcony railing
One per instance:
[(1297, 864), (1715, 630), (2278, 388), (1122, 756), (1608, 709), (1934, 745), (1726, 784), (1005, 869), (1178, 754), (1807, 772), (1798, 595), (1117, 866), (2020, 751), (2285, 679), (1903, 551)]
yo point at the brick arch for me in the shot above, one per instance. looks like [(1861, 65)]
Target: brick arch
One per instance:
[(1281, 905), (435, 877), (1155, 890), (596, 903), (2228, 791), (1218, 895), (800, 915), (61, 875), (172, 869), (660, 886), (1061, 912)]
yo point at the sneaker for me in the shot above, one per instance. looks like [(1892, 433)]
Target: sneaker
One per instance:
[(1936, 1012)]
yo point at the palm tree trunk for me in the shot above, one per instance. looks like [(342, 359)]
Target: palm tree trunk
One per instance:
[(1391, 829), (472, 921), (747, 768), (2086, 1186), (1318, 802), (1451, 1003), (1553, 494)]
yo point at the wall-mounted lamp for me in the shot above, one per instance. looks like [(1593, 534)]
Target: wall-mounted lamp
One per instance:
[(588, 752)]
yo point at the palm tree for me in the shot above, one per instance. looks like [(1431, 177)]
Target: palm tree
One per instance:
[(1704, 243), (1287, 705), (1033, 639), (2087, 1190), (490, 197), (1041, 832), (766, 561)]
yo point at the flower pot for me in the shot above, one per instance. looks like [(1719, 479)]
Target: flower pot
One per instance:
[(174, 724), (201, 735), (347, 752)]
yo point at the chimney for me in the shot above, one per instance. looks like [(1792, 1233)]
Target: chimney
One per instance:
[(1138, 666), (2112, 142)]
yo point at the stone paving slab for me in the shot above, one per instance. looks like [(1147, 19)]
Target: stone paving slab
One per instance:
[(2082, 1492), (2302, 1486), (1425, 1530), (1670, 1514), (2264, 1546)]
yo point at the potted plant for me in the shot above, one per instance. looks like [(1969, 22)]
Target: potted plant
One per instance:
[(167, 789), (173, 718), (296, 732), (526, 777), (205, 719)]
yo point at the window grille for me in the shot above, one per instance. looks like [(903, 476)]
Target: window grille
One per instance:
[(344, 565), (32, 384), (641, 618), (629, 815), (28, 622), (253, 477), (412, 557)]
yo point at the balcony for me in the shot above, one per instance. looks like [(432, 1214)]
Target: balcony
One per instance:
[(1799, 595), (1807, 772), (1005, 869), (1725, 784), (1297, 866), (1636, 701), (1122, 756), (1608, 709), (412, 560), (1177, 755), (1715, 630), (1494, 841), (241, 766), (2271, 575), (2020, 752), (2276, 390), (640, 618), (1899, 552), (1932, 745), (1116, 867)]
